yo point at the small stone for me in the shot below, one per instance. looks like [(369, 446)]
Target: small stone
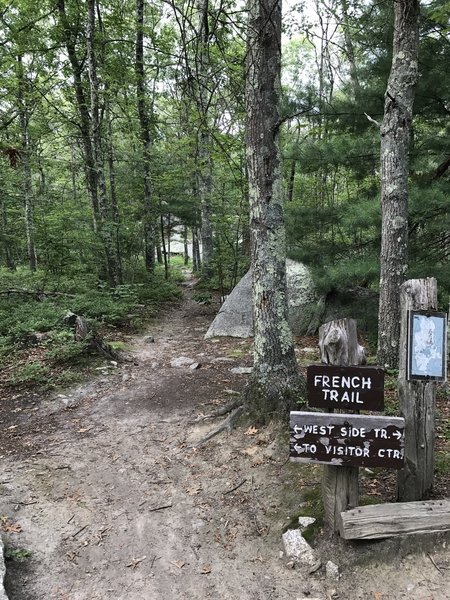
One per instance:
[(305, 522), (281, 555), (290, 564), (149, 340), (181, 361), (315, 567), (195, 366), (242, 370), (332, 570)]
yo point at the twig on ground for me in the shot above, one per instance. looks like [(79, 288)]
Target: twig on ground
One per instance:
[(79, 531), (432, 560), (226, 425), (236, 487), (160, 507)]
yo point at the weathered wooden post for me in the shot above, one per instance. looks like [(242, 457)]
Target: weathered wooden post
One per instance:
[(338, 343), (417, 400)]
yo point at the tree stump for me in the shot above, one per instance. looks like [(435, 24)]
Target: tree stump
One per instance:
[(338, 343), (417, 400)]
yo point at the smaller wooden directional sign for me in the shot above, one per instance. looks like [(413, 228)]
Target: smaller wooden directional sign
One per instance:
[(356, 388), (349, 440)]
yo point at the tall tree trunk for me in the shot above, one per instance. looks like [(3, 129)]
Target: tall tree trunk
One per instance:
[(112, 184), (204, 141), (275, 381), (350, 51), (106, 227), (27, 187), (9, 260), (395, 137), (69, 38), (149, 211)]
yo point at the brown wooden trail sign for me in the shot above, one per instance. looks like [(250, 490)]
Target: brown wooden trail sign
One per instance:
[(347, 440), (357, 388)]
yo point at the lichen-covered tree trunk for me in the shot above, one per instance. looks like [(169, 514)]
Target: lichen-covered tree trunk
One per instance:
[(149, 208), (395, 138), (275, 382)]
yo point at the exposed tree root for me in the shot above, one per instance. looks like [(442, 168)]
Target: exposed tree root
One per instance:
[(226, 425), (223, 410)]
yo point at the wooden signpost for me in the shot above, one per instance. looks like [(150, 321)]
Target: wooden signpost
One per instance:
[(347, 440)]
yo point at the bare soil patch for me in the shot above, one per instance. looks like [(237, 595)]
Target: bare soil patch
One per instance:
[(106, 489)]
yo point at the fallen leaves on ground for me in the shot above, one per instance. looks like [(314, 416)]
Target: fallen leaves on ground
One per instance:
[(251, 431), (206, 569), (134, 562), (178, 563), (8, 527)]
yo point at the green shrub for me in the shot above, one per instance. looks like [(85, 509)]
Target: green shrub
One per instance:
[(33, 373)]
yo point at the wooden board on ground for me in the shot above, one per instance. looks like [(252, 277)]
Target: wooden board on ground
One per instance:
[(401, 518)]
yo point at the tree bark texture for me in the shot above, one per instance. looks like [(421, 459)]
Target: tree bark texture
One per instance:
[(275, 381), (417, 401), (395, 139), (27, 186), (106, 225), (204, 163), (149, 210), (69, 39)]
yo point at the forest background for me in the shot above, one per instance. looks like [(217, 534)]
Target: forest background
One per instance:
[(121, 121)]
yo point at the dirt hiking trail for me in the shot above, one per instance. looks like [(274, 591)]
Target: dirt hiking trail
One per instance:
[(105, 488)]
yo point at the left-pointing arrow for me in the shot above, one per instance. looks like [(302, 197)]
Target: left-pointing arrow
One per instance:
[(298, 448), (297, 429)]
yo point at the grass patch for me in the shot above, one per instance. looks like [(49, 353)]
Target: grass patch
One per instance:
[(312, 506), (17, 554), (37, 344)]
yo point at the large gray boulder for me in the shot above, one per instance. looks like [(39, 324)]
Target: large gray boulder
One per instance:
[(235, 317)]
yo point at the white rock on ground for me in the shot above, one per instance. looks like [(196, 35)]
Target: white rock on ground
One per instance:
[(297, 547), (332, 570), (305, 522), (3, 595), (181, 361)]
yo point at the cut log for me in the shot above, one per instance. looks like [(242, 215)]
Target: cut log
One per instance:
[(338, 343), (401, 518)]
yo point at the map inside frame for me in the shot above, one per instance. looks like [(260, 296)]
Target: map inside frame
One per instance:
[(426, 346)]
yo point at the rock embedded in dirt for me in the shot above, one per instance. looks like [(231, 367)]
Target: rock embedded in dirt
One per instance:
[(181, 361), (242, 370), (296, 547), (332, 570)]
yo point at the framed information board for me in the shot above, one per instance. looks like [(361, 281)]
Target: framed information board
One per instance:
[(426, 357)]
